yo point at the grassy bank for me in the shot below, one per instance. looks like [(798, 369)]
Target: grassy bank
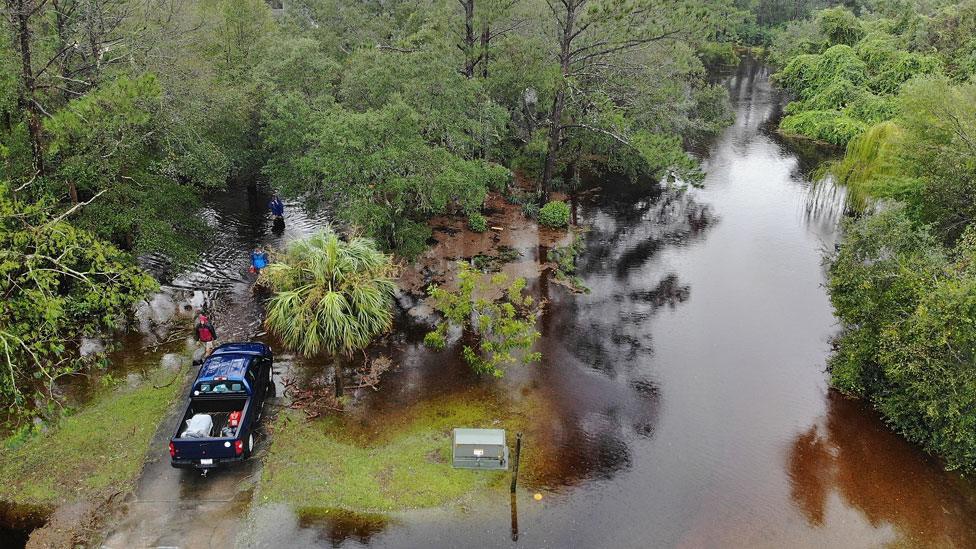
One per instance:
[(95, 452), (381, 464)]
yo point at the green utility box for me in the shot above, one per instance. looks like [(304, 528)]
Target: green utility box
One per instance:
[(480, 449)]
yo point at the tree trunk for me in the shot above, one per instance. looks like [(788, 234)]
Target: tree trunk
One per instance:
[(555, 134), (20, 13), (485, 39), (559, 102), (468, 43), (338, 379)]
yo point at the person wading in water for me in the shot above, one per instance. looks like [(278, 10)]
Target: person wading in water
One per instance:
[(277, 207)]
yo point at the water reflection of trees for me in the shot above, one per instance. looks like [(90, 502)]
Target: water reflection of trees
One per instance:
[(852, 454), (336, 526), (597, 379)]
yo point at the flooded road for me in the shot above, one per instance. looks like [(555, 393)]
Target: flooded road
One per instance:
[(180, 508), (686, 399)]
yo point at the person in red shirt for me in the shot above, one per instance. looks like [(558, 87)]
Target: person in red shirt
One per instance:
[(205, 333)]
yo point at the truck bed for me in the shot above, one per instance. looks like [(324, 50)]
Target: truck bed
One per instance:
[(218, 409)]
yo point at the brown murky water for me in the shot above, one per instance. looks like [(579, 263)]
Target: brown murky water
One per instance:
[(685, 399)]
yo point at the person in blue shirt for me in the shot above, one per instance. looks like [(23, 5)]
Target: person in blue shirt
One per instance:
[(277, 207), (259, 259)]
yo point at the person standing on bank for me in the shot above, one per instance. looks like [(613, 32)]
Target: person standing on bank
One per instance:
[(206, 334)]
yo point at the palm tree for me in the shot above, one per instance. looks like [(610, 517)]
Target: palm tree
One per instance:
[(332, 296)]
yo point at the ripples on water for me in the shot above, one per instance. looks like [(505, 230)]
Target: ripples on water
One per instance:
[(239, 221)]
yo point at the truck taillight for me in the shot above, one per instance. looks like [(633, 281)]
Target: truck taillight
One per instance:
[(238, 447), (172, 450)]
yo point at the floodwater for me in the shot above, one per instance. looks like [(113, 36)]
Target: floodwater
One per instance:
[(686, 399)]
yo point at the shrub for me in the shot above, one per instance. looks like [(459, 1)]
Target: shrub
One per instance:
[(477, 222), (829, 126), (555, 214), (907, 307), (713, 54), (840, 26), (503, 328), (435, 340)]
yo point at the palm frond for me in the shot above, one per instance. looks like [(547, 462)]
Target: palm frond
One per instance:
[(332, 295)]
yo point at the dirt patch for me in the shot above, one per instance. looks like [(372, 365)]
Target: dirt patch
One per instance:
[(513, 244), (72, 525)]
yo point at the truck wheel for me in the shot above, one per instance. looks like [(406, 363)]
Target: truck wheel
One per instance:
[(272, 390), (250, 444)]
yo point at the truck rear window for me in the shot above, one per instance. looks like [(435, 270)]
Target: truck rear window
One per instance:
[(218, 387)]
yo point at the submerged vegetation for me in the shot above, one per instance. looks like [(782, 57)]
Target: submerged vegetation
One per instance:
[(495, 315), (330, 464)]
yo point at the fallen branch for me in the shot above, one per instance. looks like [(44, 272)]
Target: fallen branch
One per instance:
[(74, 208)]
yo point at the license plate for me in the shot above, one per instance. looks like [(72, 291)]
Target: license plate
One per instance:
[(206, 462)]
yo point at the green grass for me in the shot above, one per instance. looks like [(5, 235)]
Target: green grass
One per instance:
[(96, 451), (380, 464)]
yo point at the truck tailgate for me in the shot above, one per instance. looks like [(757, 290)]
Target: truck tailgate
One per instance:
[(188, 448)]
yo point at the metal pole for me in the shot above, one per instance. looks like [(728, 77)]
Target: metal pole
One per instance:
[(515, 466)]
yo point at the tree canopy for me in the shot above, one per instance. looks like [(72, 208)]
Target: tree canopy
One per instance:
[(59, 284)]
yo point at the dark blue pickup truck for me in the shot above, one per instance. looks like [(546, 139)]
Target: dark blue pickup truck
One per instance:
[(224, 407)]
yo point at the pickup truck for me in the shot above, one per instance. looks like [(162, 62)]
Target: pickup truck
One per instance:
[(224, 407)]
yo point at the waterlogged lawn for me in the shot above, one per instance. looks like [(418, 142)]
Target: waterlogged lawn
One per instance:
[(98, 450), (386, 464)]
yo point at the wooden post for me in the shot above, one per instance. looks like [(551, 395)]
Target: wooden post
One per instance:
[(515, 530), (515, 466)]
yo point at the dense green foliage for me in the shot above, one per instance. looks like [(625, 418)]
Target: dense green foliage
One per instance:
[(902, 282), (124, 115), (909, 309), (554, 214), (383, 173), (408, 123), (59, 284), (140, 131), (765, 17), (923, 157), (375, 109), (846, 73), (503, 326)]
